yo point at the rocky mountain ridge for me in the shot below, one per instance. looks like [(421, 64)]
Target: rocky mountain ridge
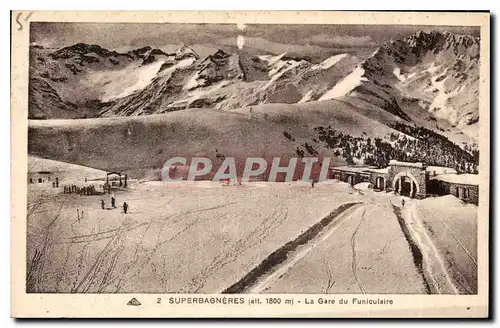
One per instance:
[(428, 79)]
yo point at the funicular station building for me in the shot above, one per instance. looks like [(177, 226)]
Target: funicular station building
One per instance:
[(415, 180)]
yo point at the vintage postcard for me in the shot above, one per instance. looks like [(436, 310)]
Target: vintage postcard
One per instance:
[(250, 164)]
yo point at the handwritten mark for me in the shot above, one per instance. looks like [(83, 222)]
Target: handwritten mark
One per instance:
[(25, 19)]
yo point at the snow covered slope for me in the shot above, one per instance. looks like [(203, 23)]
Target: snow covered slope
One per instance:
[(146, 142), (429, 77)]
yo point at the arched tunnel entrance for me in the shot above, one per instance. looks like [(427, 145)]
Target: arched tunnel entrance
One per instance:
[(405, 185)]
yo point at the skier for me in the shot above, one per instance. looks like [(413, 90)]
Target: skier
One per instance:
[(102, 203), (113, 205), (403, 202), (125, 207)]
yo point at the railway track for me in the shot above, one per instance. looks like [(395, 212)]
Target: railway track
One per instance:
[(447, 227), (354, 254), (290, 253)]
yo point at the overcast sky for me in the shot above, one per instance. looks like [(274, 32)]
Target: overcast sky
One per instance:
[(312, 40)]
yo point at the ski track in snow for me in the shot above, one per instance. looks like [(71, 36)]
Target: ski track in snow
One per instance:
[(354, 254), (431, 255), (294, 258)]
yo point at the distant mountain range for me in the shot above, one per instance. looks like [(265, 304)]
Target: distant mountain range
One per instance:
[(429, 77), (92, 81)]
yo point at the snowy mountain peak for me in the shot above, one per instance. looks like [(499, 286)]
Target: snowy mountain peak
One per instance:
[(220, 54), (414, 47), (433, 39), (81, 49), (430, 76)]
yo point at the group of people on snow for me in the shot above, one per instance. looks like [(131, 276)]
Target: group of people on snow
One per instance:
[(113, 204), (73, 189)]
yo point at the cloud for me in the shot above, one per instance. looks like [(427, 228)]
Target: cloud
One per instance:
[(326, 40), (241, 26), (240, 41), (113, 35), (315, 53), (310, 40), (273, 47)]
